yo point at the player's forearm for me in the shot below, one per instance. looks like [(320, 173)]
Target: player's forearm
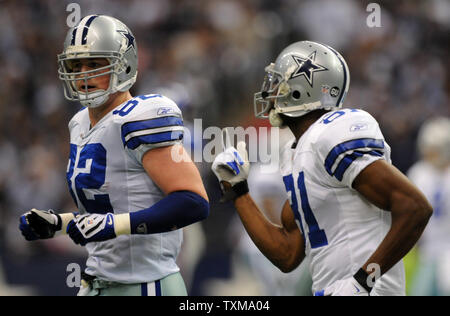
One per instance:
[(271, 240), (177, 210), (409, 219)]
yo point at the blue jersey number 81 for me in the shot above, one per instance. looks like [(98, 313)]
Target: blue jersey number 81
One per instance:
[(316, 235)]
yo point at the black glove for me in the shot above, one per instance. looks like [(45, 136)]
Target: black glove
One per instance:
[(37, 224)]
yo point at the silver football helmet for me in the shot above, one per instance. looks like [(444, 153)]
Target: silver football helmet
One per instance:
[(98, 36), (305, 76)]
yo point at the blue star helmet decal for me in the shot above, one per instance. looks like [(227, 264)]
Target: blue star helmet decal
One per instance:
[(307, 67), (129, 37)]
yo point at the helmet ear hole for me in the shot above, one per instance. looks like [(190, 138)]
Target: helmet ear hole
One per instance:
[(296, 94), (128, 70)]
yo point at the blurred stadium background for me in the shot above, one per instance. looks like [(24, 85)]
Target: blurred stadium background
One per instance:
[(209, 56)]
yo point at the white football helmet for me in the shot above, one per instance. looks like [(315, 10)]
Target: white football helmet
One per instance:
[(306, 76), (98, 36)]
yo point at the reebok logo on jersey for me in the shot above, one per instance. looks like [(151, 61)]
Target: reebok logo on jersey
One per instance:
[(359, 127), (165, 111)]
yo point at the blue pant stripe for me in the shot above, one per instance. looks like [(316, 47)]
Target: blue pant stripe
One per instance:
[(144, 291)]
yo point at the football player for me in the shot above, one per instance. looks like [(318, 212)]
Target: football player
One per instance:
[(432, 175), (351, 212), (132, 196)]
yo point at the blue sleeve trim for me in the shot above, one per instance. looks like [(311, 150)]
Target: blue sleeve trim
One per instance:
[(156, 138), (362, 143), (166, 121), (348, 160), (177, 210)]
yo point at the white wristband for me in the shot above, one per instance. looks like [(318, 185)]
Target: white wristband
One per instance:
[(65, 220), (122, 225)]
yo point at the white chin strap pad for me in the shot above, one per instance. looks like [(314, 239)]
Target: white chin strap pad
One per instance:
[(96, 98), (275, 119)]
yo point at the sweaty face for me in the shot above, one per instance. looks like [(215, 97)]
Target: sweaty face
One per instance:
[(90, 81)]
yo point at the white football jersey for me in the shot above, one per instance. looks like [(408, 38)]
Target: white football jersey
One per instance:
[(340, 227), (105, 174)]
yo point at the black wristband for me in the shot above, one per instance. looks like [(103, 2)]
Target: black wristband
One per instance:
[(236, 191), (240, 188), (361, 277)]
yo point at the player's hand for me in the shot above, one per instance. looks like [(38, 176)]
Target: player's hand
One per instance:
[(91, 227), (347, 287), (37, 224), (231, 168), (232, 164)]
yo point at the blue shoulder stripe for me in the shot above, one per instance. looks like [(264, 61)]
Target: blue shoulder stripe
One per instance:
[(351, 145), (348, 159), (165, 121), (156, 138)]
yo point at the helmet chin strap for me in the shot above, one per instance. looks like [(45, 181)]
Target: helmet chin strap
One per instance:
[(96, 98), (275, 119)]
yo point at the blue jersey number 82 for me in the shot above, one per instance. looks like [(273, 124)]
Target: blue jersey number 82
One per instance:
[(88, 171)]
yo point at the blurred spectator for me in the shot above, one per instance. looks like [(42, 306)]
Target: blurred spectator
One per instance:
[(432, 175)]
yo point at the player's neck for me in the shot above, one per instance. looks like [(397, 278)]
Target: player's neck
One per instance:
[(299, 125), (96, 114)]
